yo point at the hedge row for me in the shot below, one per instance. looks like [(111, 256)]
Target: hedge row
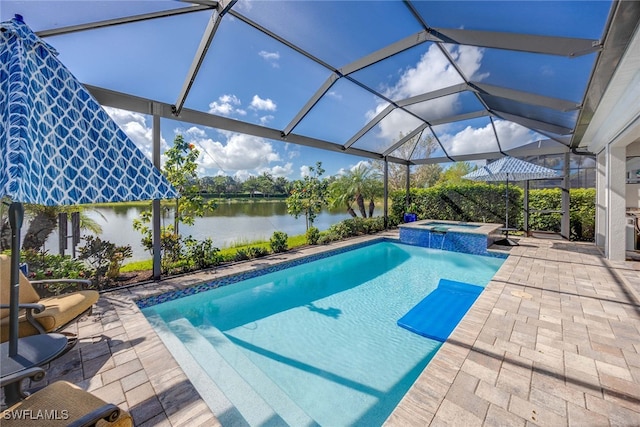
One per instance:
[(481, 202)]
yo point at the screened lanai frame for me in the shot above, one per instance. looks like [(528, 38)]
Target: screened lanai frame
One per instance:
[(556, 121)]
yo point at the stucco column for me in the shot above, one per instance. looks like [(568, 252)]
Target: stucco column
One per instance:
[(601, 199), (616, 203)]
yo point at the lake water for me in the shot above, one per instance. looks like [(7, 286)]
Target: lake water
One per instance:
[(229, 223)]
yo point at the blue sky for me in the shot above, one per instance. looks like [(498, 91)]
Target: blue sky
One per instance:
[(251, 77)]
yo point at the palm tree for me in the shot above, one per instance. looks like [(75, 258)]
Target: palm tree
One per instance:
[(339, 196), (359, 183)]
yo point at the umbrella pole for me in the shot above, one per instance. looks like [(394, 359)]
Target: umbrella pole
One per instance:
[(16, 215)]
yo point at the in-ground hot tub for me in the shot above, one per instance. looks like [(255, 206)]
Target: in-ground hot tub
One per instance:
[(455, 236)]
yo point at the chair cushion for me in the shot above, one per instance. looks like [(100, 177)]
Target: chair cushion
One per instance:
[(63, 403), (59, 311), (27, 293)]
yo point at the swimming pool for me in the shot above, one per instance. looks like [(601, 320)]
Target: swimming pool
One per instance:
[(316, 343)]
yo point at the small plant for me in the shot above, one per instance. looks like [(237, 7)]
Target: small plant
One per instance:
[(201, 254), (241, 255), (45, 266), (327, 237), (257, 252), (312, 235), (278, 242), (105, 257)]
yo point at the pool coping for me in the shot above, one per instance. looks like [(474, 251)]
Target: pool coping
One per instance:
[(483, 228)]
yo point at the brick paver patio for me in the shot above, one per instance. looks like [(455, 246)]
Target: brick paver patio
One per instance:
[(554, 340)]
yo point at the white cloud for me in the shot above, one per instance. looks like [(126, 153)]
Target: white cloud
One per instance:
[(242, 175), (279, 170), (266, 119), (258, 103), (477, 140), (226, 105), (240, 152), (433, 71), (292, 154), (271, 57), (196, 132), (334, 94), (136, 128), (513, 135), (305, 171), (470, 140), (361, 164)]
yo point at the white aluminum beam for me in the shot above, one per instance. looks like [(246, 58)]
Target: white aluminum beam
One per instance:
[(402, 141), (545, 147), (381, 115), (118, 21), (533, 124), (385, 52), (461, 87), (524, 97), (144, 106), (311, 102), (207, 37), (561, 46), (460, 117)]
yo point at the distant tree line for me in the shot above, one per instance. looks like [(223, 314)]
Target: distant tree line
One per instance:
[(265, 185)]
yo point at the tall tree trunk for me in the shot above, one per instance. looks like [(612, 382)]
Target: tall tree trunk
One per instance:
[(40, 227), (361, 208), (372, 206), (176, 218), (351, 212)]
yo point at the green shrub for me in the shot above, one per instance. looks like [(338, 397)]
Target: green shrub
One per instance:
[(257, 252), (312, 235), (583, 214), (45, 266), (373, 225), (327, 237), (242, 255), (278, 242), (105, 258), (201, 254), (340, 230), (481, 202)]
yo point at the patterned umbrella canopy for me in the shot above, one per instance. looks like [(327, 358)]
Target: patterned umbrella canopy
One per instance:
[(511, 169), (57, 145)]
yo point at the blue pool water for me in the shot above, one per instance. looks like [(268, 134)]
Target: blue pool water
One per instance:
[(318, 342)]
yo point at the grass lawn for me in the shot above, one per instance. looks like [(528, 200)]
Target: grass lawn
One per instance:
[(292, 242)]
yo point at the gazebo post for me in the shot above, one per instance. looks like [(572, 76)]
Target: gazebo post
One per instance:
[(526, 208), (156, 214), (408, 187), (386, 193)]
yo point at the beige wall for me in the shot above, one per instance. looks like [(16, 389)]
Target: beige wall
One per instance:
[(633, 196), (633, 190)]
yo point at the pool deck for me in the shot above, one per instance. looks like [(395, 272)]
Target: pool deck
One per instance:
[(554, 340)]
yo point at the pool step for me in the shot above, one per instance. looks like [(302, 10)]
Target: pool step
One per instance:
[(225, 411), (271, 392), (254, 395)]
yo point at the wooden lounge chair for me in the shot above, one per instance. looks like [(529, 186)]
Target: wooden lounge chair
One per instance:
[(62, 404), (41, 315)]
